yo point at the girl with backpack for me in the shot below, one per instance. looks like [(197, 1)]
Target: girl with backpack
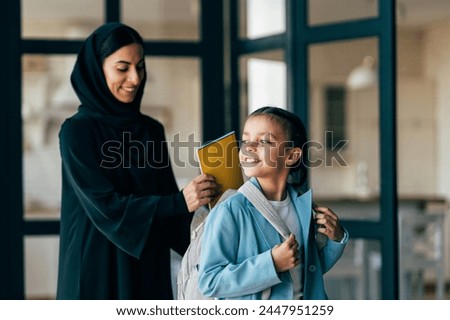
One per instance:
[(243, 256)]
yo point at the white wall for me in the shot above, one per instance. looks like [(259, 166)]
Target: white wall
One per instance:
[(437, 71)]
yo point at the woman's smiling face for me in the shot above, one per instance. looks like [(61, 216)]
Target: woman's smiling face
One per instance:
[(124, 71)]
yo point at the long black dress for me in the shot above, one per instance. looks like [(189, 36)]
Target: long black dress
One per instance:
[(121, 210)]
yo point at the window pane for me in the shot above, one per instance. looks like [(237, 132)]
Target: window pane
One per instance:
[(345, 170), (421, 251), (41, 267), (262, 18), (356, 275), (173, 96), (67, 19), (48, 99), (163, 19), (263, 79), (335, 115), (326, 11)]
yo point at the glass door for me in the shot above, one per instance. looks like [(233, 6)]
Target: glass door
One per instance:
[(304, 56)]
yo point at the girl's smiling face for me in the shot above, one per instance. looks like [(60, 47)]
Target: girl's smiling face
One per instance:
[(265, 153), (124, 71)]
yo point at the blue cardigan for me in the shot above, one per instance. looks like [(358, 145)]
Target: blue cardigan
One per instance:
[(236, 260)]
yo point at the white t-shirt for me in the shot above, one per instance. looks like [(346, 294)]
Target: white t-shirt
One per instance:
[(286, 210)]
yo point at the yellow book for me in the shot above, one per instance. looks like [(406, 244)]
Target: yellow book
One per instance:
[(220, 158)]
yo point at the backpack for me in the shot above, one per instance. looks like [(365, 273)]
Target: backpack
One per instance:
[(187, 279)]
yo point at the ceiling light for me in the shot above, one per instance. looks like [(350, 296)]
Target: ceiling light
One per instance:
[(363, 76)]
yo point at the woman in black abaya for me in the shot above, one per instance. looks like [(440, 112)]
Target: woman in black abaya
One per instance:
[(121, 209)]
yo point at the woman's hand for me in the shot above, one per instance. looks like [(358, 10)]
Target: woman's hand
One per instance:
[(200, 191), (285, 255), (328, 223)]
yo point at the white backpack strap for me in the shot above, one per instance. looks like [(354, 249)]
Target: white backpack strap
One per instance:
[(256, 197)]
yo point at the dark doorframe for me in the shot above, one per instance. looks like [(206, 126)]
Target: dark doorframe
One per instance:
[(11, 248), (300, 36)]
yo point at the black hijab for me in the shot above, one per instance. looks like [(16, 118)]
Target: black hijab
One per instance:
[(89, 82)]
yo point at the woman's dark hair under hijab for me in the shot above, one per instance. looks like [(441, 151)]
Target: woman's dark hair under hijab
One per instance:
[(295, 132), (117, 39)]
